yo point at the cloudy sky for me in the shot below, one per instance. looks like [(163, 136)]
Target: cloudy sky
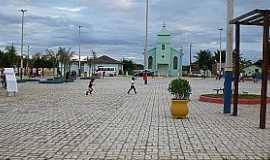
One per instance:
[(116, 27)]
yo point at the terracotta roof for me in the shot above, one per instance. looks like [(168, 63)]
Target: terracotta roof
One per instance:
[(106, 60)]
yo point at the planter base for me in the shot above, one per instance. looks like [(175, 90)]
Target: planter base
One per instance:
[(179, 109)]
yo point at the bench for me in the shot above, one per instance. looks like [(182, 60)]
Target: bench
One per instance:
[(218, 89)]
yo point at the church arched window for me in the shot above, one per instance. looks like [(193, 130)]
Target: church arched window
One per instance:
[(150, 62), (163, 46), (175, 62)]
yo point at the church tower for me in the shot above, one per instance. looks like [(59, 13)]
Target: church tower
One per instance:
[(164, 60), (163, 46)]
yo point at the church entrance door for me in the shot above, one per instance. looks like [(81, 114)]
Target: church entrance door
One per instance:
[(163, 69)]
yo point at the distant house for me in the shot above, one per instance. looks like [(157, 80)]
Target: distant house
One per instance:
[(90, 65), (250, 70), (105, 61)]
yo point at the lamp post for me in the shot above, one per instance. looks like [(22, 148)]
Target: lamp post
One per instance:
[(146, 37), (220, 57), (23, 11), (27, 62), (190, 59), (80, 50)]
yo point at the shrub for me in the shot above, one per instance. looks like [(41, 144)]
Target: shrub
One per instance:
[(180, 88)]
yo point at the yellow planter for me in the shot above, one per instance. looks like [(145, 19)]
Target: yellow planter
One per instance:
[(179, 108)]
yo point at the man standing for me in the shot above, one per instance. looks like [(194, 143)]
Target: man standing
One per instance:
[(145, 77)]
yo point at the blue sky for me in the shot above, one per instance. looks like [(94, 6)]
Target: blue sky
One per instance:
[(116, 27)]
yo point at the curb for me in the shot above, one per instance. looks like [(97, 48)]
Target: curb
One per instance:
[(240, 101)]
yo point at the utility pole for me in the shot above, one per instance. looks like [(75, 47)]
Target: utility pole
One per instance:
[(94, 63), (27, 63), (190, 59), (220, 57), (80, 50), (229, 54), (146, 37), (23, 11), (89, 64)]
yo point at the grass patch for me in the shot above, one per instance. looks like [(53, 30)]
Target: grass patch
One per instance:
[(241, 96)]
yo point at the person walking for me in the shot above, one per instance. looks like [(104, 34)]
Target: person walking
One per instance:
[(132, 87), (90, 87), (217, 75), (103, 74), (145, 77)]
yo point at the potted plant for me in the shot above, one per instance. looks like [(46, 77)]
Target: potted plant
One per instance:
[(181, 90)]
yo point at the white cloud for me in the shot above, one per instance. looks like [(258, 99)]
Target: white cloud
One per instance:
[(66, 9), (119, 4), (123, 3)]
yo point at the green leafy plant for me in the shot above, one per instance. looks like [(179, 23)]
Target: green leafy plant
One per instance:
[(180, 88)]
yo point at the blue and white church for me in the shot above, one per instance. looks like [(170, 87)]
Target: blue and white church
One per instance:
[(164, 60)]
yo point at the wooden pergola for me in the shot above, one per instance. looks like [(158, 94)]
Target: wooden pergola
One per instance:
[(257, 18)]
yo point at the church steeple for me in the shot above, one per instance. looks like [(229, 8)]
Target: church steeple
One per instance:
[(164, 31)]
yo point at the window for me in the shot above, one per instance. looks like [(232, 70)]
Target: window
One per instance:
[(175, 62), (163, 56), (163, 46), (150, 62)]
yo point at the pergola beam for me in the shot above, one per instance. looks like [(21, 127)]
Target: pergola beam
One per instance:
[(236, 20), (255, 17), (251, 18)]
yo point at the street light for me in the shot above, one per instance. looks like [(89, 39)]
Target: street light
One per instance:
[(146, 37), (190, 59), (22, 10), (80, 50), (27, 62), (220, 30)]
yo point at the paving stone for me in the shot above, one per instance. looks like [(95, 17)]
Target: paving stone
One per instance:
[(57, 121)]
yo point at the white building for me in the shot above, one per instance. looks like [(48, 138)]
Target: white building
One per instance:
[(90, 66)]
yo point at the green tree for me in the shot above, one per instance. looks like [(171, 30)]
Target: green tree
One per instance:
[(36, 61), (204, 59), (2, 54), (64, 56), (216, 56), (128, 66), (51, 56), (8, 58), (244, 63)]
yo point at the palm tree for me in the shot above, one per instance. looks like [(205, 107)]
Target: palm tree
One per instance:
[(204, 59), (52, 57), (216, 56), (65, 58)]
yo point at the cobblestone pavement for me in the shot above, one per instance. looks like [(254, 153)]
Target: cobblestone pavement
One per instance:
[(60, 122)]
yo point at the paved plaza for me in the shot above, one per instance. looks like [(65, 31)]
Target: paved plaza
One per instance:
[(58, 121)]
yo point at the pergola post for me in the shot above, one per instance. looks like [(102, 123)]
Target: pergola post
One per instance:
[(265, 68), (229, 59), (236, 68)]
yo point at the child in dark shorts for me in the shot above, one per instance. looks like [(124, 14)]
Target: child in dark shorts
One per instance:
[(132, 87), (90, 87)]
